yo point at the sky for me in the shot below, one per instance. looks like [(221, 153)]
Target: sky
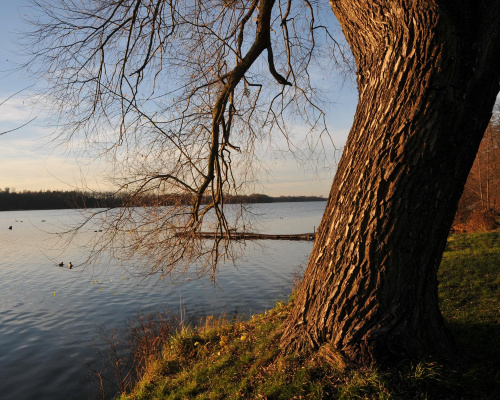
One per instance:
[(29, 160)]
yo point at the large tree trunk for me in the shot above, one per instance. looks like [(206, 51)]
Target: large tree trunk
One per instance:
[(428, 74)]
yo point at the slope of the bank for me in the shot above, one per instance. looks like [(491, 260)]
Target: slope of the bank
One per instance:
[(240, 359)]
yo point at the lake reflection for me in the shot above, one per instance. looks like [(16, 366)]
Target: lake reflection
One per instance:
[(49, 315)]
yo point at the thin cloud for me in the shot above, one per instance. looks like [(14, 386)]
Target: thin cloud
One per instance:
[(14, 111)]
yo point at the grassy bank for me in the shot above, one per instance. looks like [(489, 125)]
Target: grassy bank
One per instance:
[(231, 360)]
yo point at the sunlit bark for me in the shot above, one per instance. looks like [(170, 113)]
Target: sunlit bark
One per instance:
[(428, 74)]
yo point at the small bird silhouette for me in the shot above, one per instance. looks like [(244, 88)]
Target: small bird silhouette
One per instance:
[(61, 264), (70, 265), (10, 227)]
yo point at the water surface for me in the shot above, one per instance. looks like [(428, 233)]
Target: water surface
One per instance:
[(49, 316)]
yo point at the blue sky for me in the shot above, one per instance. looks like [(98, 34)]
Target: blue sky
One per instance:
[(29, 160)]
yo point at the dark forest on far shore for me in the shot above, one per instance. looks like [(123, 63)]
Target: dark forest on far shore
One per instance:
[(52, 200)]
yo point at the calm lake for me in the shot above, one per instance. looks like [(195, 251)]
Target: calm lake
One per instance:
[(51, 316)]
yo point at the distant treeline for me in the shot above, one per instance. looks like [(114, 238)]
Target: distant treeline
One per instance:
[(50, 200), (262, 198)]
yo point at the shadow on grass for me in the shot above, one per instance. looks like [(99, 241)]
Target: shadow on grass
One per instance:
[(480, 341), (479, 376)]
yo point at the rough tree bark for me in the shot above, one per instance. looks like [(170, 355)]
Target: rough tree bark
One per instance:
[(428, 74)]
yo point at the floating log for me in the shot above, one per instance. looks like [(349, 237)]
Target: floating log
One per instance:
[(252, 236)]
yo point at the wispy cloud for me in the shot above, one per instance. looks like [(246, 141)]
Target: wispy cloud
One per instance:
[(15, 111)]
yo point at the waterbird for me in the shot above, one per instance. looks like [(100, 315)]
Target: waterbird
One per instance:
[(10, 227), (61, 264), (70, 265)]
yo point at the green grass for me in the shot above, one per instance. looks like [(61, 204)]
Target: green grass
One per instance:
[(222, 359), (469, 292)]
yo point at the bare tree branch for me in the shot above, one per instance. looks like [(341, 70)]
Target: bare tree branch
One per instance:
[(176, 95)]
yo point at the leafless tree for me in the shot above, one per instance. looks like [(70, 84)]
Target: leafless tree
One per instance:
[(485, 172), (480, 201), (188, 88), (177, 96)]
